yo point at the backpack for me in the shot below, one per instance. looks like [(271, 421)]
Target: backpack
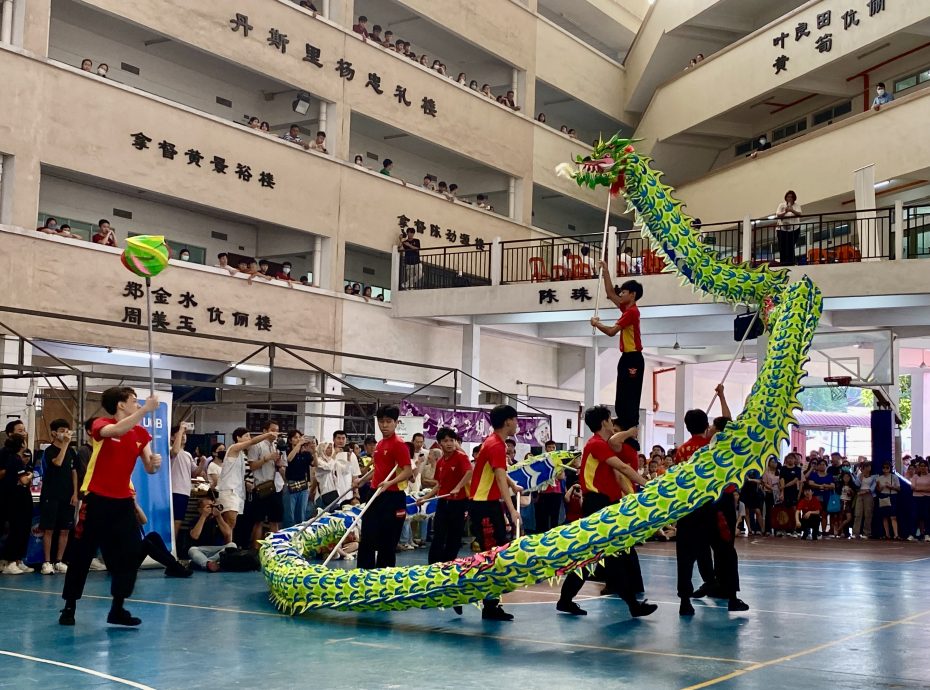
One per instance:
[(239, 560)]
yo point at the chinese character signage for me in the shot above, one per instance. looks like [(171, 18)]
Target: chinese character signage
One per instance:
[(217, 164), (183, 312), (819, 32), (436, 232), (278, 41)]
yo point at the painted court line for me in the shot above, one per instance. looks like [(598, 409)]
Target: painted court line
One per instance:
[(805, 652), (503, 638), (81, 669)]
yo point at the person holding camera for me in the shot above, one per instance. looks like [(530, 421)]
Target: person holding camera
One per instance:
[(265, 501), (210, 536), (16, 500), (59, 495), (297, 477), (107, 517)]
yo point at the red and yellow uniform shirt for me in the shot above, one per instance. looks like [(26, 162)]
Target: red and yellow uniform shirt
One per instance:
[(449, 472), (629, 329), (390, 452), (492, 456), (112, 460), (596, 476)]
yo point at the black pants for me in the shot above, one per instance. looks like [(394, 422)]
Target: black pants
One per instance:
[(692, 545), (153, 545), (19, 514), (381, 527), (629, 388), (448, 528), (622, 570), (108, 524), (488, 528), (723, 544), (811, 524), (769, 506), (787, 240), (547, 511)]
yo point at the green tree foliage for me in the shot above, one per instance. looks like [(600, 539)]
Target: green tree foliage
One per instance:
[(867, 399)]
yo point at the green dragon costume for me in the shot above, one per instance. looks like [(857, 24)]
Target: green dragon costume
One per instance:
[(792, 314)]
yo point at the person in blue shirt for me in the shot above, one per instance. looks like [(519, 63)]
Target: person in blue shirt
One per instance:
[(881, 96)]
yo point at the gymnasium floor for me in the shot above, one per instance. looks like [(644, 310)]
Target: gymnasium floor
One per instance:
[(831, 615)]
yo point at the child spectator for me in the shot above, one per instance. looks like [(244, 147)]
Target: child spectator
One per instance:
[(810, 510), (105, 235)]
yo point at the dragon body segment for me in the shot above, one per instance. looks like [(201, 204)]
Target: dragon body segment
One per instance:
[(298, 585)]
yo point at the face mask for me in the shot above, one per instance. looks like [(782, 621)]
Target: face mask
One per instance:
[(185, 257), (287, 270), (762, 140), (101, 71), (880, 92)]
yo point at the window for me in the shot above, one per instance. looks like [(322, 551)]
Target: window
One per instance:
[(789, 130), (831, 113), (743, 148), (911, 80), (85, 230)]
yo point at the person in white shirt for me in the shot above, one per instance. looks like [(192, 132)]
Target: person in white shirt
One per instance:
[(347, 469), (325, 473), (265, 503), (183, 469), (215, 468), (788, 214), (231, 484)]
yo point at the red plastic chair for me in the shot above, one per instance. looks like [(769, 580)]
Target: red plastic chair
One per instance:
[(846, 253), (652, 262), (538, 270), (581, 270), (560, 273), (819, 256)]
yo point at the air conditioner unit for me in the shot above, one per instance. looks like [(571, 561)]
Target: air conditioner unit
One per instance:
[(492, 398)]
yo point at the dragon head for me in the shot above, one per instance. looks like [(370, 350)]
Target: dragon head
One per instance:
[(604, 166)]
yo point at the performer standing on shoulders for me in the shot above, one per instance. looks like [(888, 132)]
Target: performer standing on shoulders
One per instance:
[(108, 518), (631, 364), (490, 484), (384, 520), (600, 488)]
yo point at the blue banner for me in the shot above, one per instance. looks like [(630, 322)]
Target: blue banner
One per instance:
[(153, 491)]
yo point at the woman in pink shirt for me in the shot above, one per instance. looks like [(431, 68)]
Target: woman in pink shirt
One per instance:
[(920, 485)]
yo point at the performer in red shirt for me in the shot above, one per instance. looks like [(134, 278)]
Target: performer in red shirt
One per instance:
[(107, 518), (631, 365), (453, 475), (600, 489), (489, 482), (384, 519)]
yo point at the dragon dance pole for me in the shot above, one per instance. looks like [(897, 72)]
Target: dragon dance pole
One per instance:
[(736, 355), (358, 517), (361, 480), (600, 270)]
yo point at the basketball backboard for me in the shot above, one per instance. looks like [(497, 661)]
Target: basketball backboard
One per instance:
[(866, 356)]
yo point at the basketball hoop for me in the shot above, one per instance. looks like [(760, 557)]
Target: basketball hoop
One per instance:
[(839, 385)]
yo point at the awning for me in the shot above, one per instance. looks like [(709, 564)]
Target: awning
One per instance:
[(843, 420)]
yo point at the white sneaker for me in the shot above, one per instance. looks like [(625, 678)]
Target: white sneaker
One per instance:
[(927, 538), (47, 569), (97, 564), (911, 538), (24, 568), (11, 569), (60, 567)]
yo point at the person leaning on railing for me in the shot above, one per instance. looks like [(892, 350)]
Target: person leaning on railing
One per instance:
[(788, 214)]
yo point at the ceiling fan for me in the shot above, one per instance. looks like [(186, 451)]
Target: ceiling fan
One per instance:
[(677, 346)]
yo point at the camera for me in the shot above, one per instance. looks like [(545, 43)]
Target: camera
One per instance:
[(281, 445)]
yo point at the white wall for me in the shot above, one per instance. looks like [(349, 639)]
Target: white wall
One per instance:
[(357, 260)]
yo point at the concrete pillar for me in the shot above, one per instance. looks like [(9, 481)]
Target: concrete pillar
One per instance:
[(684, 394), (471, 364), (899, 229), (6, 22), (14, 403), (592, 378), (747, 239), (327, 425), (611, 251), (920, 412), (497, 261), (339, 121), (871, 239)]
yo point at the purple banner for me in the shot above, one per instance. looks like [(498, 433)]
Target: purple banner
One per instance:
[(475, 425)]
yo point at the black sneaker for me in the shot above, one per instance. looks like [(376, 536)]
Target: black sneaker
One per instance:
[(638, 609), (457, 609), (178, 571), (66, 617), (122, 617), (686, 609), (702, 591), (737, 605), (495, 613), (570, 607)]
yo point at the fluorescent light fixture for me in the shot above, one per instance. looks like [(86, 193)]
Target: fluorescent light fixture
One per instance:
[(133, 353), (772, 217), (260, 368), (879, 185), (399, 384)]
